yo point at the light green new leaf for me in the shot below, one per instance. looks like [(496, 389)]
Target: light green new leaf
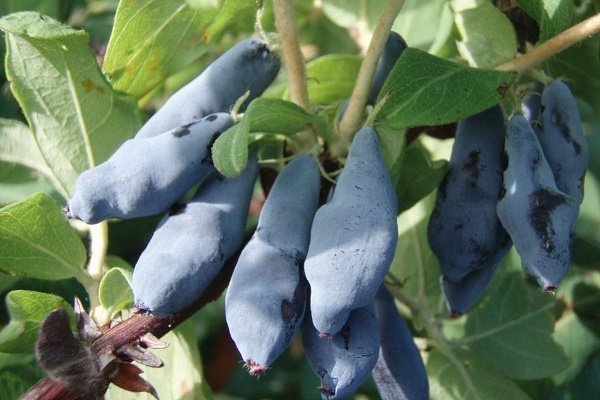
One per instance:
[(181, 377), (552, 16), (423, 89), (514, 328), (26, 309), (487, 35), (331, 77), (230, 150), (153, 39), (279, 117), (76, 118), (354, 13), (415, 265), (36, 241), (424, 23), (115, 288), (465, 378)]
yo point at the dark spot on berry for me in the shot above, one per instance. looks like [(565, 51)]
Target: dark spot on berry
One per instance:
[(181, 131), (211, 117), (472, 164), (177, 208), (208, 159), (542, 204), (345, 332)]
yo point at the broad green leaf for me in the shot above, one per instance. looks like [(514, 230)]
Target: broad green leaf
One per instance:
[(17, 145), (424, 23), (115, 287), (577, 330), (26, 309), (514, 328), (586, 247), (580, 65), (423, 89), (585, 387), (361, 14), (331, 77), (463, 377), (76, 118), (181, 377), (487, 35), (279, 117), (552, 16), (415, 175), (230, 150), (153, 39), (36, 241), (415, 265)]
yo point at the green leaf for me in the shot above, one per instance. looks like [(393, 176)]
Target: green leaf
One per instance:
[(36, 241), (585, 387), (180, 378), (423, 23), (153, 39), (487, 35), (514, 329), (76, 118), (115, 287), (230, 150), (360, 14), (423, 89), (419, 276), (577, 329), (415, 175), (463, 377), (331, 78), (26, 309), (17, 145), (279, 117), (579, 65), (552, 16)]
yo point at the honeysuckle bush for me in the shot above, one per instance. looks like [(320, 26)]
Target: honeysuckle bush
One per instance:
[(80, 77)]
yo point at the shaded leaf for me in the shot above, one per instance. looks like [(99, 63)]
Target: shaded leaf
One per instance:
[(415, 265), (76, 118), (36, 241), (423, 23), (423, 89), (26, 309), (415, 175), (18, 146), (552, 16), (279, 117), (463, 377), (514, 328)]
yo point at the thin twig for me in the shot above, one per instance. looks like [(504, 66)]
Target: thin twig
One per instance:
[(553, 46), (352, 117), (292, 55)]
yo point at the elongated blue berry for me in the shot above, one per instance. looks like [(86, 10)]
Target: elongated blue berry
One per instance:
[(399, 372), (464, 231), (267, 295), (562, 139), (345, 360), (145, 177), (538, 217), (248, 66), (191, 244), (353, 237)]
